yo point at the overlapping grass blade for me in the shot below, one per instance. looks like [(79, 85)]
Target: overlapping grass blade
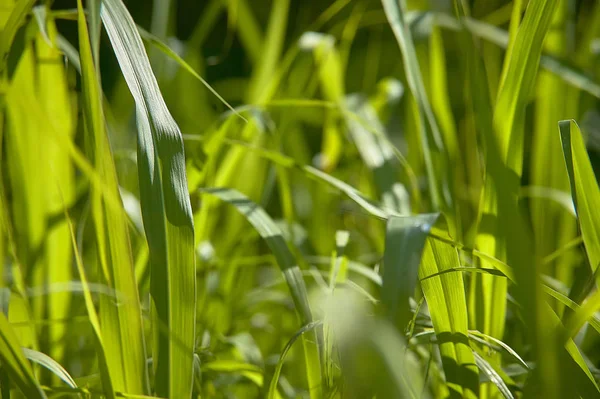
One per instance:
[(273, 393), (15, 20), (14, 362), (271, 233), (431, 138), (447, 304), (105, 374), (121, 323), (166, 208)]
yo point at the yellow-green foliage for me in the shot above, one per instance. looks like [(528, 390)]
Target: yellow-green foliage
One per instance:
[(299, 199)]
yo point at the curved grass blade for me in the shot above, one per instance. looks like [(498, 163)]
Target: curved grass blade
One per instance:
[(50, 364), (166, 208), (493, 376), (14, 362), (273, 393)]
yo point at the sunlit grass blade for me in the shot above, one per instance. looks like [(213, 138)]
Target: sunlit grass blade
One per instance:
[(447, 305), (505, 239), (271, 48), (121, 324), (166, 208), (50, 364)]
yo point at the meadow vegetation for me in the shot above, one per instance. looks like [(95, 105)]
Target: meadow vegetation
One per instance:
[(299, 199)]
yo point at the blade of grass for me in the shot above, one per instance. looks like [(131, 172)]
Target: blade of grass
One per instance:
[(121, 323), (447, 304), (584, 189), (432, 142), (166, 208)]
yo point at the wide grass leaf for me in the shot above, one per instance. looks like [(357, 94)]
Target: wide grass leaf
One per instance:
[(166, 209), (121, 323), (445, 295)]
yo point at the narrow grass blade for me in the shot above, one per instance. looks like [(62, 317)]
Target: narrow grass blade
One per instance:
[(121, 324), (273, 393), (584, 188), (166, 208), (432, 142), (50, 364), (14, 362), (493, 376), (105, 375)]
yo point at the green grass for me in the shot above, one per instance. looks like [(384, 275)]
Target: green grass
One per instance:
[(297, 199)]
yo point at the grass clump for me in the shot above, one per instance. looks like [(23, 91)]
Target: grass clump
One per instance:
[(282, 199)]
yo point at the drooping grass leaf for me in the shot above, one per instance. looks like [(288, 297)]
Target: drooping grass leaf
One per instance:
[(166, 208)]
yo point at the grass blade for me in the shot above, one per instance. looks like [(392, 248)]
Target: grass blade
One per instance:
[(584, 188), (121, 322), (447, 304), (166, 208)]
